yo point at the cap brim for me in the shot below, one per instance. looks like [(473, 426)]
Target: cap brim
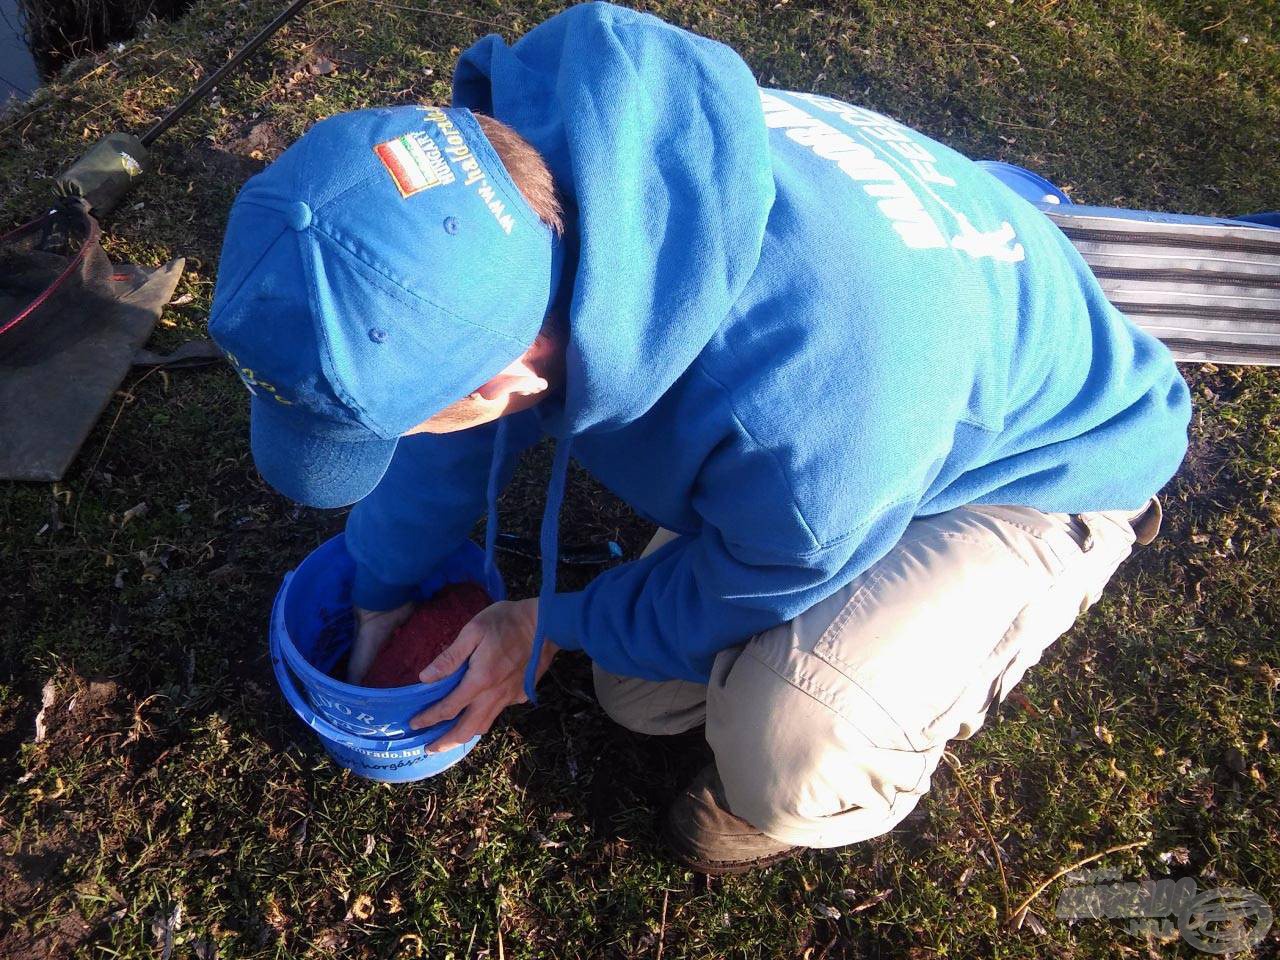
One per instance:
[(311, 466)]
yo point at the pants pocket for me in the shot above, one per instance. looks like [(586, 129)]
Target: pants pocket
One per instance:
[(921, 627), (951, 617)]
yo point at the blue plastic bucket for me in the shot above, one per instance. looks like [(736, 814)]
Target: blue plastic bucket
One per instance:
[(1270, 218), (1028, 185), (364, 729)]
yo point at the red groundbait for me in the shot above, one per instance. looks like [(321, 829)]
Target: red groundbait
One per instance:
[(433, 626)]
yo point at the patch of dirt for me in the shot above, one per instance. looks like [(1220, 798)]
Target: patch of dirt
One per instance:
[(205, 162), (260, 142), (1207, 479), (28, 874), (322, 59), (1206, 462), (64, 938), (74, 709), (17, 714), (28, 880)]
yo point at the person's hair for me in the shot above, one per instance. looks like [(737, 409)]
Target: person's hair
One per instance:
[(528, 171)]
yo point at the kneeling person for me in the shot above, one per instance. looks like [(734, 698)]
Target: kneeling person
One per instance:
[(894, 435)]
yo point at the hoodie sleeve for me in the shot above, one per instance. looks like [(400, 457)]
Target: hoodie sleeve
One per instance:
[(424, 506), (667, 615)]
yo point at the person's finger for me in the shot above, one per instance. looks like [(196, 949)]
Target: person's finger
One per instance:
[(461, 697), (366, 647), (455, 655), (373, 629), (475, 720), (458, 734)]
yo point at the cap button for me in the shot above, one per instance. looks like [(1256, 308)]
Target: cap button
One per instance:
[(299, 215)]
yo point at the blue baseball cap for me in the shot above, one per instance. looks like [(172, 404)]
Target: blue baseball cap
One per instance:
[(384, 267)]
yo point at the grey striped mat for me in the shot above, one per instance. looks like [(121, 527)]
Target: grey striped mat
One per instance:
[(1210, 289)]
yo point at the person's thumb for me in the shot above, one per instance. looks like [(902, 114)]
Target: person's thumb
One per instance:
[(453, 656)]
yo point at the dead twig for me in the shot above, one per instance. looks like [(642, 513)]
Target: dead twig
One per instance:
[(1022, 907), (499, 902), (312, 11), (88, 477), (662, 928), (437, 13), (954, 764)]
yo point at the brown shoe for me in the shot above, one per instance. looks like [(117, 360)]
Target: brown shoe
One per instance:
[(705, 836)]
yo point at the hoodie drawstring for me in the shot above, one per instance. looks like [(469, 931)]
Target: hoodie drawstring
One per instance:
[(491, 502), (549, 541), (550, 544)]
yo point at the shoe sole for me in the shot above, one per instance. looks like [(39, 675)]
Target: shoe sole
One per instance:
[(724, 868)]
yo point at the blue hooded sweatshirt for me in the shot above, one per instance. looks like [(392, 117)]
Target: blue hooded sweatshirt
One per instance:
[(794, 325)]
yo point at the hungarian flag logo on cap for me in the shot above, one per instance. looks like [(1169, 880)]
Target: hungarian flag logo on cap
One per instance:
[(414, 162)]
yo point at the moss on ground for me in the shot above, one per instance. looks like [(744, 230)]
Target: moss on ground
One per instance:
[(173, 776)]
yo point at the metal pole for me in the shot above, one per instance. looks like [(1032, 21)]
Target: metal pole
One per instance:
[(211, 81)]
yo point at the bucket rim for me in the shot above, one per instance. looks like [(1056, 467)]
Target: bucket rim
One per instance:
[(1005, 172), (312, 675)]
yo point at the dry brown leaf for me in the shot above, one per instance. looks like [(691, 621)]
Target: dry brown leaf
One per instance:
[(361, 907), (48, 695), (133, 513)]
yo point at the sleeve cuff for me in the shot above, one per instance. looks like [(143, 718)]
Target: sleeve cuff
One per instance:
[(561, 616), (370, 593)]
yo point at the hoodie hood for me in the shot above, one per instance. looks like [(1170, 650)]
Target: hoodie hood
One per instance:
[(658, 144), (657, 141)]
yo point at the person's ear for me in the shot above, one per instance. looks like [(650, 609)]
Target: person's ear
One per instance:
[(517, 379), (521, 382)]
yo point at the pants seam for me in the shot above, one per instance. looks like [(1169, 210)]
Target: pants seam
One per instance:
[(855, 604), (810, 689), (922, 776)]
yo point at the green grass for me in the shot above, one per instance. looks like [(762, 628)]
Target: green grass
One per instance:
[(182, 780)]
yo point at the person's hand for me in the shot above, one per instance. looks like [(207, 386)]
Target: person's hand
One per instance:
[(498, 641), (373, 627)]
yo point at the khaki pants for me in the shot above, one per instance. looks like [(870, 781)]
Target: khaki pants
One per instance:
[(826, 729)]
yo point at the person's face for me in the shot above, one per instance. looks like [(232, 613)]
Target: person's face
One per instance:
[(523, 383)]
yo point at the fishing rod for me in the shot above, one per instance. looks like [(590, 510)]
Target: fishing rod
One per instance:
[(109, 169), (573, 554)]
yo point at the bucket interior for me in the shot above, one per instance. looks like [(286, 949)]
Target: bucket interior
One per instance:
[(317, 615)]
